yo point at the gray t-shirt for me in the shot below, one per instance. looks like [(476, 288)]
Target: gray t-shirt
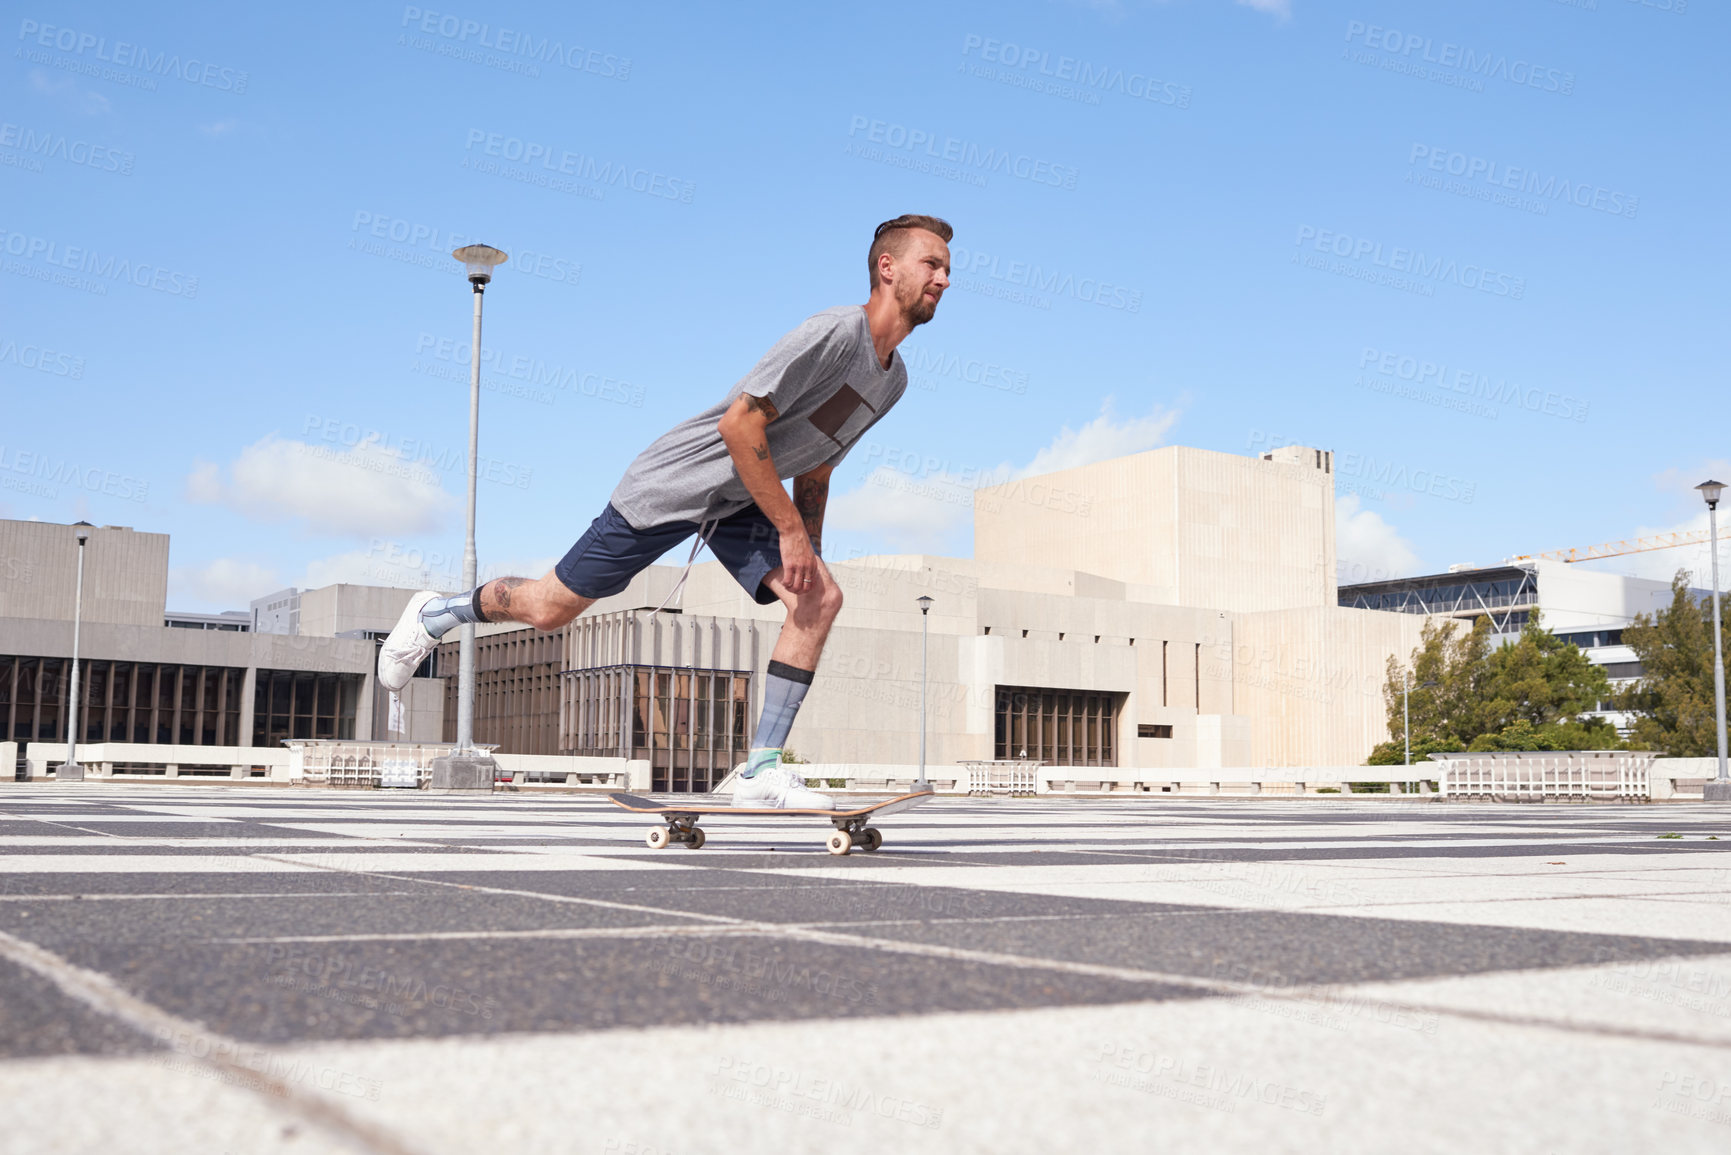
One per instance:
[(828, 389)]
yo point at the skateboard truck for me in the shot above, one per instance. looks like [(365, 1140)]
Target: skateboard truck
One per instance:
[(681, 828)]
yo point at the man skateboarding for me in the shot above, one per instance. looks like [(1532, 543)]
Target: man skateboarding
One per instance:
[(719, 475)]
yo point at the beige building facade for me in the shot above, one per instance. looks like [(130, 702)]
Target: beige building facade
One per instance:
[(1171, 610), (1192, 624)]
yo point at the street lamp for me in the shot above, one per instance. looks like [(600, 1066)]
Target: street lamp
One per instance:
[(478, 262), (70, 770), (1406, 710), (925, 604), (1718, 790)]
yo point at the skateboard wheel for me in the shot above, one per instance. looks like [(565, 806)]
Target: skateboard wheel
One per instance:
[(870, 839), (840, 842), (658, 837), (695, 842)]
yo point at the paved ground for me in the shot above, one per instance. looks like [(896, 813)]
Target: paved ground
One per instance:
[(212, 969)]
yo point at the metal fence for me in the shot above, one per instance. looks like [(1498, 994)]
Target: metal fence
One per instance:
[(365, 763), (1521, 776), (1003, 776)]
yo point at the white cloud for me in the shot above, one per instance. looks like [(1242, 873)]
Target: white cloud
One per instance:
[(1118, 9), (391, 563), (929, 510), (1101, 439), (1367, 548), (908, 514), (1280, 8), (1663, 564), (67, 90), (1682, 483), (365, 491), (226, 583), (220, 127)]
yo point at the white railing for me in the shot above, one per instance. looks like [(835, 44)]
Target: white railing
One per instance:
[(1008, 776), (1523, 776), (319, 762)]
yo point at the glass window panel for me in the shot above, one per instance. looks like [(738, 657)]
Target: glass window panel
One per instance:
[(119, 718), (25, 688), (682, 709)]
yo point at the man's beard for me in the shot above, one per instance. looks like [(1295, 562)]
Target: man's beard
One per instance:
[(919, 310)]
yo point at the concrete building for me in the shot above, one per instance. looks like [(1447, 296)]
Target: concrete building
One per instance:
[(1174, 609), (1203, 631), (278, 613), (149, 675), (1585, 607)]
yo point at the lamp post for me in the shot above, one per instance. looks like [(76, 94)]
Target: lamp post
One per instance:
[(478, 262), (463, 770), (1406, 709), (70, 770), (925, 604), (1718, 790)]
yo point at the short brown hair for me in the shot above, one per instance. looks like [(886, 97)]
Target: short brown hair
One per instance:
[(892, 235)]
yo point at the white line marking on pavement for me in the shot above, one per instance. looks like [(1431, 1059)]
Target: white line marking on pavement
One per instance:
[(103, 995)]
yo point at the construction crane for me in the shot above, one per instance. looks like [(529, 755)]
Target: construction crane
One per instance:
[(1619, 548)]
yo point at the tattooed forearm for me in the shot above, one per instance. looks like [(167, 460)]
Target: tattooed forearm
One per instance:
[(810, 497), (496, 598), (762, 405), (762, 451)]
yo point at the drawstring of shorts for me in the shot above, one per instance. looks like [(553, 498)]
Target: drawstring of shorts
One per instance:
[(704, 530)]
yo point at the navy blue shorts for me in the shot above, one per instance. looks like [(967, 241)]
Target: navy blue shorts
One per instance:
[(612, 552)]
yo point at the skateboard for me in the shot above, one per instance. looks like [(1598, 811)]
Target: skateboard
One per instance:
[(681, 820)]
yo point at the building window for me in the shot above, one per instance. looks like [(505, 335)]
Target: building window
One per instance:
[(1057, 727), (1154, 731), (303, 704), (517, 688), (691, 726), (121, 701)]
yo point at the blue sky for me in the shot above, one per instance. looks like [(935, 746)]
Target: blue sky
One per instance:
[(1474, 247)]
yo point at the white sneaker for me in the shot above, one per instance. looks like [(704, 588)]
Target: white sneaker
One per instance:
[(408, 645), (776, 786)]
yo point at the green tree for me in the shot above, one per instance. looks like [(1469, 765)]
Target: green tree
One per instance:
[(1540, 680), (1674, 697), (1525, 695)]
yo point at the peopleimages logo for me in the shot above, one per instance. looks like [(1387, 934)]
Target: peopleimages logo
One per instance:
[(106, 266), (1470, 383), (134, 56), (70, 473), (1397, 264), (27, 356), (431, 248), (1088, 79), (968, 263), (564, 162), (515, 43), (1400, 48), (953, 150), (57, 146), (1491, 177)]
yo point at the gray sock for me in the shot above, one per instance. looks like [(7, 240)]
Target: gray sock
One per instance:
[(783, 691), (442, 615)]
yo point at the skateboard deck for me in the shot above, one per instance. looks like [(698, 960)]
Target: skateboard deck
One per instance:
[(680, 819)]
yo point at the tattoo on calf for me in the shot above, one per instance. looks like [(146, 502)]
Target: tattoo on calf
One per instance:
[(501, 598)]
